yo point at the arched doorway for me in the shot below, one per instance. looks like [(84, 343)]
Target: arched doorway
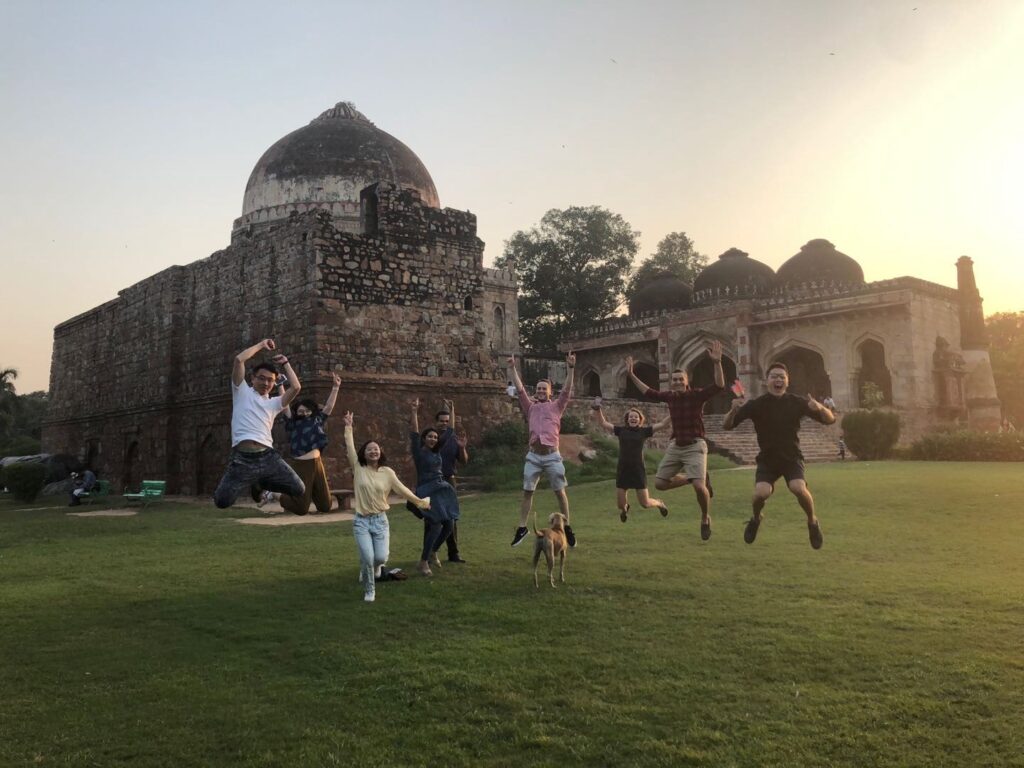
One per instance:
[(647, 373), (874, 370), (590, 386), (206, 467), (703, 375), (130, 479), (499, 324), (807, 374)]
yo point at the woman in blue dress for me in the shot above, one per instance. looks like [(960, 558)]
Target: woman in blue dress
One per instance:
[(444, 504)]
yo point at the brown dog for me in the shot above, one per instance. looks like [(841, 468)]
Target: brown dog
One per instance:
[(551, 541)]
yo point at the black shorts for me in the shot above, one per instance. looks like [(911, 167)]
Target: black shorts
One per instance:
[(770, 470)]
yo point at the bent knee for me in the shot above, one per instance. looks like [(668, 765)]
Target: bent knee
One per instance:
[(798, 487), (662, 485)]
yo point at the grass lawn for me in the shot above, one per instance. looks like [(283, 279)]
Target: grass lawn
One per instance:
[(181, 638)]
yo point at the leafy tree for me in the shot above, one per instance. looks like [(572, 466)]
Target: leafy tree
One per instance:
[(871, 395), (675, 254), (8, 401), (1006, 350), (571, 270)]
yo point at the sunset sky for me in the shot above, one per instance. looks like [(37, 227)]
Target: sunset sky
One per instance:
[(893, 129)]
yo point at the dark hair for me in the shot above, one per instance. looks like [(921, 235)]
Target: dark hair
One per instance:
[(439, 414), (777, 364), (427, 431), (679, 370), (361, 454), (310, 403), (265, 366)]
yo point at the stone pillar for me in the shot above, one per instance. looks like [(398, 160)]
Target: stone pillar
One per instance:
[(983, 407), (664, 362), (746, 363), (972, 319)]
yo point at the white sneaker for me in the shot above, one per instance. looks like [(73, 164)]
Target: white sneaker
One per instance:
[(265, 498), (369, 597)]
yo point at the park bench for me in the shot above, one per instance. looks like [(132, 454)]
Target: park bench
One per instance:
[(151, 490), (344, 497), (99, 492)]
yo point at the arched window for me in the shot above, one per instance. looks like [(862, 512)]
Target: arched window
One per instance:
[(499, 323), (703, 375), (468, 303), (591, 384), (807, 374)]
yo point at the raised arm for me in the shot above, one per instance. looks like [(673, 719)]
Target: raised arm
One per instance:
[(566, 394), (463, 455), (602, 421), (730, 421), (296, 387), (350, 446), (715, 353), (819, 412), (238, 369), (633, 377), (333, 397), (414, 416), (514, 374)]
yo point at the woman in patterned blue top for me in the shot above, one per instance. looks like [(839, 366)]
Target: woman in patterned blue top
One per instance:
[(444, 504), (307, 437)]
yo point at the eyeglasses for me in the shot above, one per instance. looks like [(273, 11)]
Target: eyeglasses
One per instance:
[(271, 379), (777, 376)]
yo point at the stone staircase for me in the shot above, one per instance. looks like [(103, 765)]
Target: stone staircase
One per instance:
[(817, 441)]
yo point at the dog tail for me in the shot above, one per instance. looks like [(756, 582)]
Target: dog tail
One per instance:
[(533, 524)]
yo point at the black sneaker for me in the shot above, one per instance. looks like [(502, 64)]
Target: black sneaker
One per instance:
[(520, 535), (664, 510), (455, 559), (570, 537), (705, 530), (750, 532), (624, 513), (814, 532), (707, 483)]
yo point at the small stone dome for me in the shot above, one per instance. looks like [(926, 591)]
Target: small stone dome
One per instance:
[(326, 165), (733, 276), (819, 261), (662, 291)]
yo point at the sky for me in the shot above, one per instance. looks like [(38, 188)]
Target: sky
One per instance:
[(893, 129)]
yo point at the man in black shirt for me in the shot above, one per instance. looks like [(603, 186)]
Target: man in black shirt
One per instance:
[(776, 418)]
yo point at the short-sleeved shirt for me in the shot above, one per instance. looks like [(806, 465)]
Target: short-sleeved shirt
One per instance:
[(252, 415), (686, 409), (305, 435), (777, 423), (545, 419)]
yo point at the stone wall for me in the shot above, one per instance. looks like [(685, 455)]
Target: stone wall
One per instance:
[(142, 383)]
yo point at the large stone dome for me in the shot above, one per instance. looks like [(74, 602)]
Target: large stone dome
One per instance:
[(819, 261), (733, 276), (662, 292), (326, 165)]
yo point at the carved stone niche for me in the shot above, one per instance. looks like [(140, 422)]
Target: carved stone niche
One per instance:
[(948, 371)]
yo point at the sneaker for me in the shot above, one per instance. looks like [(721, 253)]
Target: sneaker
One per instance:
[(455, 559), (750, 532), (369, 597), (570, 537), (664, 510), (707, 484), (265, 498), (424, 569), (520, 535), (435, 561), (814, 533), (705, 530), (623, 513)]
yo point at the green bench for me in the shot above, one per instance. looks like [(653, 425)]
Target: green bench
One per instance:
[(99, 492), (151, 490)]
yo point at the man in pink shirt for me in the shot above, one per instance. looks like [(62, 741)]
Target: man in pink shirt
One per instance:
[(544, 416)]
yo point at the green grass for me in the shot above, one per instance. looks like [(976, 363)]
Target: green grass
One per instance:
[(180, 638)]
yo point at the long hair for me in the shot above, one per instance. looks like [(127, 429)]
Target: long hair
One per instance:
[(308, 402), (423, 437), (361, 454)]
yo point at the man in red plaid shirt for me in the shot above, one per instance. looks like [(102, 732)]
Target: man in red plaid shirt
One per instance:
[(686, 458)]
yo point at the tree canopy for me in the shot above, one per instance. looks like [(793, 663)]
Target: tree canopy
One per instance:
[(1006, 351), (571, 270), (675, 254)]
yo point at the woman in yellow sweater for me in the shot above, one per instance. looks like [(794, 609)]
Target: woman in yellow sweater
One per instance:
[(373, 481)]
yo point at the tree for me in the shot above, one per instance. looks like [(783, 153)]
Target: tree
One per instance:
[(571, 270), (1006, 351), (8, 401), (675, 254)]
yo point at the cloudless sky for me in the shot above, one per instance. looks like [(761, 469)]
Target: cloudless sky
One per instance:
[(893, 129)]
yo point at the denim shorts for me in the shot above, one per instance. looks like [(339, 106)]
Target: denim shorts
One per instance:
[(549, 464)]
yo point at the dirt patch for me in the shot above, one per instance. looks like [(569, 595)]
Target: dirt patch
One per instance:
[(106, 513), (289, 519), (571, 445)]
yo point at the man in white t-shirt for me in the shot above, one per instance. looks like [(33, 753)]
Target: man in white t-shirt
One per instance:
[(253, 458)]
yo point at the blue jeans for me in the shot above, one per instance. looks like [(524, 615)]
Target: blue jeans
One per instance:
[(373, 539), (266, 468)]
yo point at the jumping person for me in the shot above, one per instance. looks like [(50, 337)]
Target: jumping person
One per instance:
[(253, 458), (544, 417), (425, 448), (373, 481), (307, 437), (631, 474), (776, 416), (453, 452), (686, 458)]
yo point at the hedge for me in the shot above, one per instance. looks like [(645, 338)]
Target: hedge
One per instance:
[(871, 434), (25, 479), (969, 446)]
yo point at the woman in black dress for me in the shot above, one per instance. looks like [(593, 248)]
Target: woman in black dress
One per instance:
[(631, 473)]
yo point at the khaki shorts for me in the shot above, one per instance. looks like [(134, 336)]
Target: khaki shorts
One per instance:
[(691, 460)]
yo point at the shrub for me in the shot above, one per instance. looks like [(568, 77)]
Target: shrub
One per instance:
[(572, 424), (871, 434), (507, 434), (20, 445), (969, 446), (25, 479)]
